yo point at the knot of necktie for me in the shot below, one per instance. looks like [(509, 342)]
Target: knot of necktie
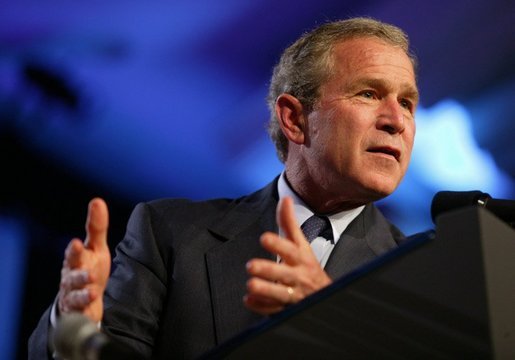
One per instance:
[(317, 226)]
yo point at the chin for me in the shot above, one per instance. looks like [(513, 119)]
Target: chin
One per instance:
[(380, 188)]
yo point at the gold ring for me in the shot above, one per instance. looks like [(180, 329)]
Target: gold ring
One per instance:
[(290, 293)]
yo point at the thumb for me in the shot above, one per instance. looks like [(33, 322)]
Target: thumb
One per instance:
[(97, 223), (288, 223)]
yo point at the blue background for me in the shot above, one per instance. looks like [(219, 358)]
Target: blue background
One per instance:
[(132, 101)]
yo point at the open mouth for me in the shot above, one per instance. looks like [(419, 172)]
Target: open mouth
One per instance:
[(386, 150)]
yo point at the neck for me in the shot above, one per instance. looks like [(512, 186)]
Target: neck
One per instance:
[(319, 198)]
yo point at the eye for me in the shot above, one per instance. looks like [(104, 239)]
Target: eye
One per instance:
[(368, 94), (406, 104)]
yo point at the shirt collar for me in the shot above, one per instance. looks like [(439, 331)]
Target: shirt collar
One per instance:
[(339, 221)]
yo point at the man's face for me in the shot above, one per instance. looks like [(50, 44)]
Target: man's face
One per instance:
[(361, 131)]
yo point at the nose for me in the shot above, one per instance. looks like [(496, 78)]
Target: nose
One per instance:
[(391, 116)]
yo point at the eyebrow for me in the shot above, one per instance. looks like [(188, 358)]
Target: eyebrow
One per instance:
[(407, 90)]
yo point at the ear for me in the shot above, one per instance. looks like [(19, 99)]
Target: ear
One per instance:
[(290, 113)]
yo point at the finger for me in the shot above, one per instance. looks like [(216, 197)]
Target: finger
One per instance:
[(74, 254), (262, 306), (96, 225), (290, 253), (75, 300), (74, 279), (273, 291), (271, 271), (274, 244), (288, 223)]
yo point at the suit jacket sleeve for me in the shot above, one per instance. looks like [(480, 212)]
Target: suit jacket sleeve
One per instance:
[(136, 289), (159, 299), (134, 294), (38, 341)]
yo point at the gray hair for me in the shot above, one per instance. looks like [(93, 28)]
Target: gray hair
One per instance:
[(307, 63)]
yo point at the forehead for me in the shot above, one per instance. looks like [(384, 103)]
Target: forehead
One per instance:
[(358, 56)]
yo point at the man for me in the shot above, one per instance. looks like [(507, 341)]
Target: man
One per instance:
[(189, 275)]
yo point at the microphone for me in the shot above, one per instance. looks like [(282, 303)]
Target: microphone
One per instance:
[(76, 337), (445, 201)]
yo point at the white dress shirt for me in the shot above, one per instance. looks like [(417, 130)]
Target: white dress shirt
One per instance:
[(339, 221)]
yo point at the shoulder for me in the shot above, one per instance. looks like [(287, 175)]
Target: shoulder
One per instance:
[(206, 213), (186, 210), (378, 223)]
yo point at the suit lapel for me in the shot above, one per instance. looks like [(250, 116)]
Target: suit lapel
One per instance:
[(367, 236), (239, 229)]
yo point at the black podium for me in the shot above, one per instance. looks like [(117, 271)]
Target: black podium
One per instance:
[(446, 297)]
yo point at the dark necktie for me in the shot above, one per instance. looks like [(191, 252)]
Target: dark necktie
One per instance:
[(317, 226)]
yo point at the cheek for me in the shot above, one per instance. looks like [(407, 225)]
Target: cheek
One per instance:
[(408, 148), (413, 128), (409, 136)]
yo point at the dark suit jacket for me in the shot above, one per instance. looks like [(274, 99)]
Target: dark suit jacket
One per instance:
[(179, 274)]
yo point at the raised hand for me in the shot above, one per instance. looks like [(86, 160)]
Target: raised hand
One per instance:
[(274, 285), (86, 266)]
